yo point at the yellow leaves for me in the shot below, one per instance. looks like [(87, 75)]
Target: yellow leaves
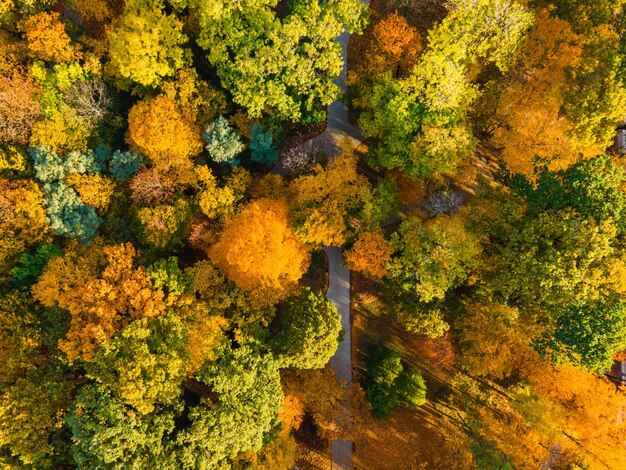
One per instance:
[(46, 38), (62, 132), (259, 252), (321, 201), (99, 304), (204, 333), (23, 220), (369, 254), (13, 159), (214, 201), (145, 44), (158, 130), (93, 189)]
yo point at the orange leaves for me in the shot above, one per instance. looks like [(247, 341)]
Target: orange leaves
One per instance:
[(530, 107), (19, 108), (100, 303), (259, 252), (369, 254), (46, 38), (396, 43), (158, 130)]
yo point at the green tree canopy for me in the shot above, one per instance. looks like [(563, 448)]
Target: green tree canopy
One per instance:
[(587, 336), (390, 383), (431, 258), (249, 397), (283, 66), (309, 331)]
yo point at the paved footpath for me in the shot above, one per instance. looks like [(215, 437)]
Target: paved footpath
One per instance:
[(339, 134)]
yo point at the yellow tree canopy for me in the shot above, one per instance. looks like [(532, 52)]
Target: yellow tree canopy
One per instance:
[(102, 290), (157, 129), (529, 110), (259, 251)]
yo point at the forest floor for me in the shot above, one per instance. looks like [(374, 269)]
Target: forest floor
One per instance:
[(410, 439)]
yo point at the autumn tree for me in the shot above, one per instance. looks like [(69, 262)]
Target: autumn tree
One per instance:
[(19, 108), (159, 131), (149, 187), (309, 331), (418, 121), (325, 203), (215, 201), (47, 39), (145, 43), (529, 117), (259, 252), (370, 254), (592, 187), (396, 46), (83, 281), (23, 220), (164, 226), (495, 340)]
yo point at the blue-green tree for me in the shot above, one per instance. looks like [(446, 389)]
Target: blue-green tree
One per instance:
[(222, 142), (261, 147)]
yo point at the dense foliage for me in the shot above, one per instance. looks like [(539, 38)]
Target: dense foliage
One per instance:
[(165, 201)]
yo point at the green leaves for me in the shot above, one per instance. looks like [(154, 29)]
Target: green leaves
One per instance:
[(587, 336), (282, 67), (431, 259), (247, 385), (143, 365), (390, 383), (309, 331)]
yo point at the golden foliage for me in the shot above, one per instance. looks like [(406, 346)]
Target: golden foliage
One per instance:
[(369, 254), (199, 102), (494, 343), (259, 252), (214, 201), (93, 189), (61, 133), (321, 201), (46, 38), (23, 220), (204, 333), (530, 108), (158, 129), (102, 290), (13, 158)]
